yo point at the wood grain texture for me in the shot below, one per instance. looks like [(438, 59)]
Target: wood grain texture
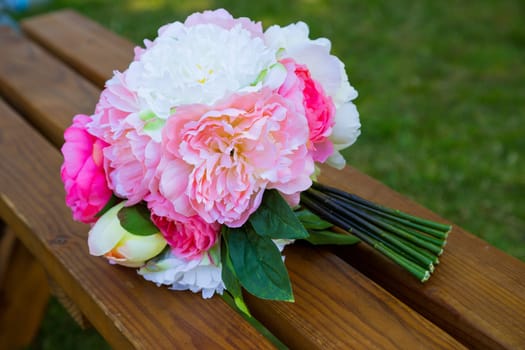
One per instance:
[(73, 38), (24, 295), (477, 292), (128, 311), (356, 315), (299, 317), (19, 72), (7, 244), (69, 305)]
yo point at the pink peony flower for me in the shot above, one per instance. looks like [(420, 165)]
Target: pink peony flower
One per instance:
[(189, 239), (168, 187), (82, 171), (116, 103), (224, 19), (230, 153), (318, 107), (130, 164), (132, 155)]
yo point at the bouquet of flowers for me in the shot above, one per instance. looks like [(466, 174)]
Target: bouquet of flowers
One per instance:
[(199, 162)]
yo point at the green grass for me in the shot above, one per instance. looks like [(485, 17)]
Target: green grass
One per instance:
[(441, 99)]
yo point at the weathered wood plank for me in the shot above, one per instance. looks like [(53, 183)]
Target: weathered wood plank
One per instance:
[(127, 310), (356, 315), (472, 272), (34, 99), (477, 292), (74, 37), (298, 316)]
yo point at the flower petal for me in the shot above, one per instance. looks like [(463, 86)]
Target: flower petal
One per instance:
[(106, 232)]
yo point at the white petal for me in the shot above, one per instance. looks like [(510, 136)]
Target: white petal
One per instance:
[(347, 126), (346, 91), (276, 76), (336, 160)]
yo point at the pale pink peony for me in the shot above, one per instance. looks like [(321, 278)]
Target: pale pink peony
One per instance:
[(167, 195), (318, 107), (189, 239), (130, 163), (116, 103), (224, 19), (132, 155), (230, 153), (82, 171)]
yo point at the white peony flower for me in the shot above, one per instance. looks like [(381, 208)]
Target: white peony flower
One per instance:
[(293, 41), (198, 275), (327, 69), (345, 133), (197, 64)]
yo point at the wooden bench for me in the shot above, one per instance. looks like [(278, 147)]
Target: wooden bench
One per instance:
[(348, 297)]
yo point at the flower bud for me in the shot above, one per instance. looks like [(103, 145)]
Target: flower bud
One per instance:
[(107, 237)]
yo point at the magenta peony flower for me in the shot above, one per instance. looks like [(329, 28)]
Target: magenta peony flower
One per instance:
[(189, 239), (230, 153), (82, 171), (318, 107)]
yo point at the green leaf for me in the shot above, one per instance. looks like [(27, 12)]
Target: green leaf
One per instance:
[(275, 219), (311, 221), (231, 282), (257, 263), (114, 200), (329, 237), (136, 220)]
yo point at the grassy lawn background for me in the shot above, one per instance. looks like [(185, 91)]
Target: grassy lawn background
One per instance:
[(441, 101)]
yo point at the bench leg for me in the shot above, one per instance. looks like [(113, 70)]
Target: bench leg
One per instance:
[(69, 305), (24, 293)]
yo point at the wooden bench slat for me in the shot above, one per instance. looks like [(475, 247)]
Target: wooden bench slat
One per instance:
[(477, 292), (32, 203), (71, 37), (472, 271), (357, 315), (319, 331), (34, 100)]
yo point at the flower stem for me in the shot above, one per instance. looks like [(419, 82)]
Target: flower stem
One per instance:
[(439, 242), (440, 235), (394, 212), (370, 224), (413, 243), (382, 246), (434, 245)]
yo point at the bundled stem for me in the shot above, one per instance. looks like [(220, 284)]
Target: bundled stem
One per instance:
[(412, 242)]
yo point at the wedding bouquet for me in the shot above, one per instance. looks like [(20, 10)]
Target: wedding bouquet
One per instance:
[(199, 162)]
